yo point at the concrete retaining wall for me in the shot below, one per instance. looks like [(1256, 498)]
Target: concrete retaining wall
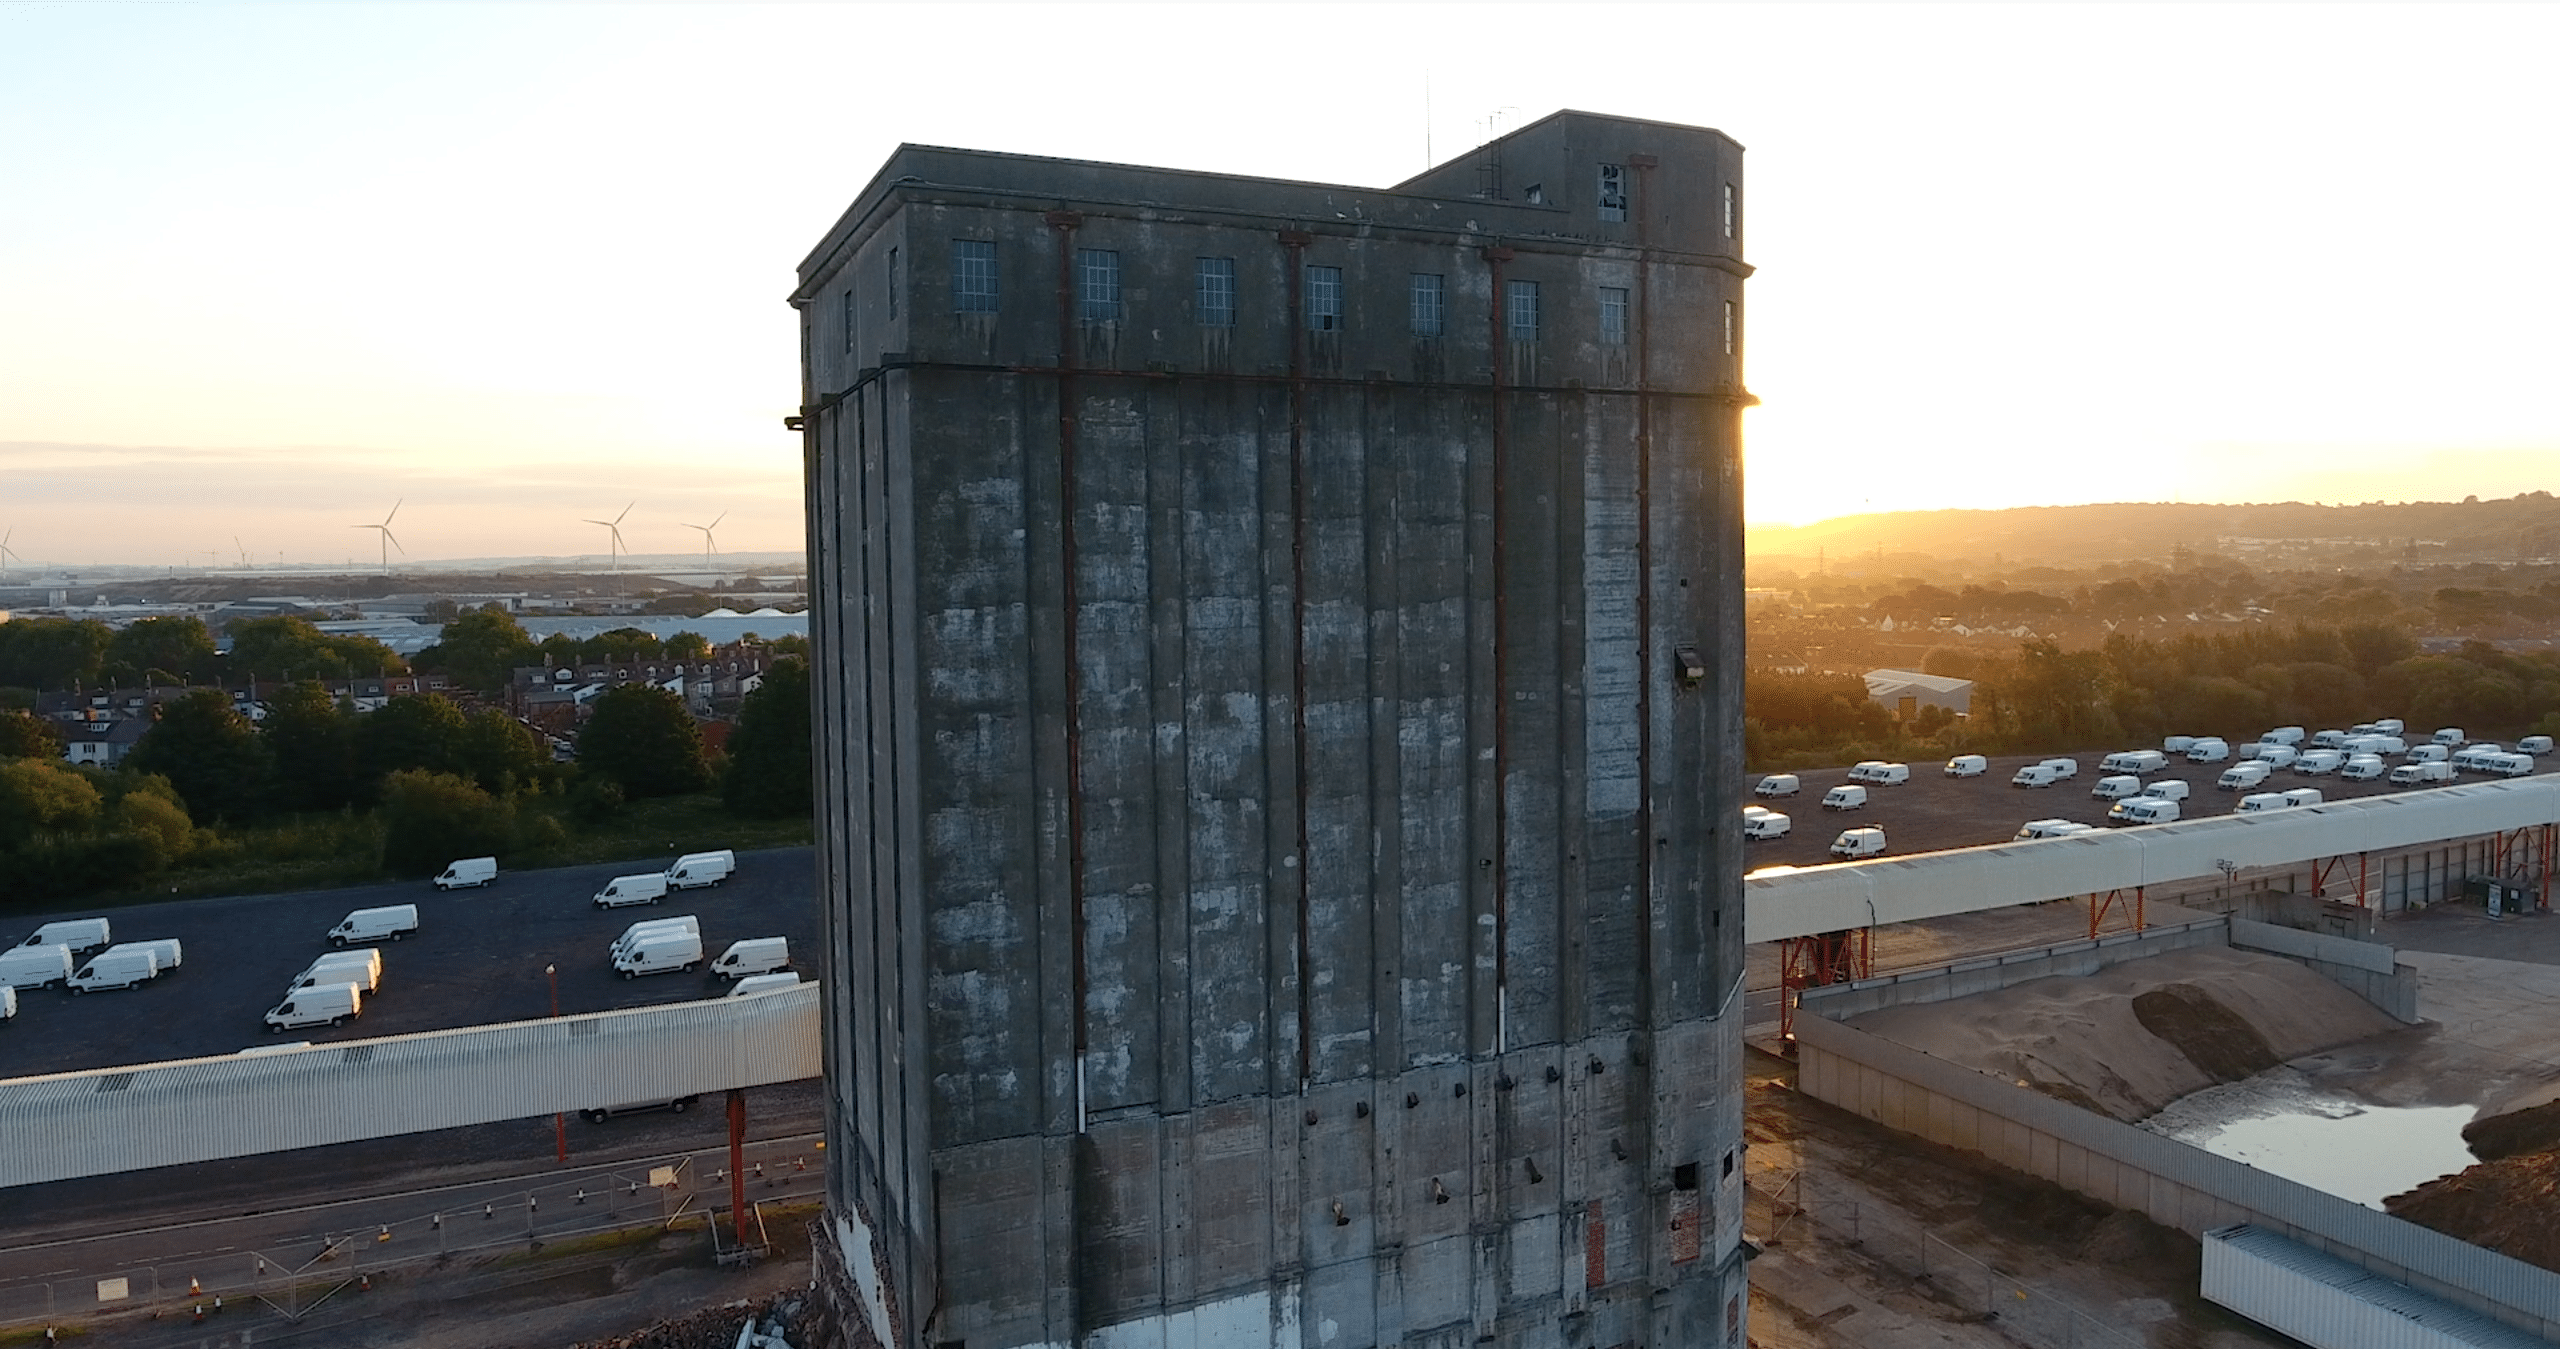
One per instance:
[(1991, 973), (2368, 969), (2172, 1182)]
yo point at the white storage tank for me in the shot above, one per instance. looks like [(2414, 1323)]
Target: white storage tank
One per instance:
[(2328, 1303)]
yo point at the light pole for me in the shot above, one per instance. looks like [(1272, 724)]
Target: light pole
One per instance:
[(559, 1118)]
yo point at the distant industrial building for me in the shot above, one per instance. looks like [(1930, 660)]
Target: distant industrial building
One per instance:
[(1278, 701), (1905, 692)]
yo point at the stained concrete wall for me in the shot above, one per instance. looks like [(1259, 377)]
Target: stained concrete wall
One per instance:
[(1274, 856)]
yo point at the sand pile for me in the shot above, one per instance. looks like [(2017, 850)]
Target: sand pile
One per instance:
[(2511, 1206), (2130, 1039)]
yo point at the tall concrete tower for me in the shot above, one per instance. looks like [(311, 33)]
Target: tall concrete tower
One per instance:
[(1278, 654)]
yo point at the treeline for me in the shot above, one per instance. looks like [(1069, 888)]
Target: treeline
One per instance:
[(2134, 690), (2502, 604), (479, 650), (416, 783)]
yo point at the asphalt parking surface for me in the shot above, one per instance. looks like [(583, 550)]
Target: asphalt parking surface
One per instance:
[(1933, 812), (477, 958)]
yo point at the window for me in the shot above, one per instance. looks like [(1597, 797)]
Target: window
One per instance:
[(844, 315), (1613, 315), (1728, 327), (893, 283), (1537, 194), (1324, 299), (1520, 310), (1097, 285), (1216, 302), (1429, 304), (973, 276), (1728, 210), (1613, 191)]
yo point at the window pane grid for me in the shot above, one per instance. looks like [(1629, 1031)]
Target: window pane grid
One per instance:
[(1520, 318), (1217, 293), (1324, 299), (1428, 305), (1097, 285), (1613, 191), (1613, 315), (973, 276)]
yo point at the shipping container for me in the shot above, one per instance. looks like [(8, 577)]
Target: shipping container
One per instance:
[(2328, 1303)]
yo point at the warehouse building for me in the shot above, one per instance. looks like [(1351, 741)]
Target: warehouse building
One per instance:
[(1277, 657)]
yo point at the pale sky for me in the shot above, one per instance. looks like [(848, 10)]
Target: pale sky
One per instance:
[(266, 269)]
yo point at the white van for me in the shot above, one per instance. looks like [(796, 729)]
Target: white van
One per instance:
[(623, 891), (1767, 824), (2285, 735), (393, 921), (35, 966), (2418, 774), (2371, 744), (319, 1005), (1858, 771), (2258, 802), (2134, 761), (82, 935), (2240, 777), (1845, 798), (1881, 773), (2431, 752), (1968, 766), (2257, 749), (753, 955), (473, 872), (2361, 768), (695, 870), (2390, 725), (2167, 789), (2508, 765), (2449, 735), (362, 968), (2474, 758), (2534, 744), (166, 954), (2274, 755), (655, 927), (2320, 761), (1865, 842), (2211, 749), (2302, 796), (126, 967), (2116, 788), (763, 983), (2069, 768), (1778, 784), (2177, 744), (2143, 810), (2052, 829), (2328, 739), (2036, 775), (660, 953)]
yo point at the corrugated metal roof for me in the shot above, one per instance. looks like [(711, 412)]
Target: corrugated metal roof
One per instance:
[(2363, 1285), (162, 1114), (1846, 895)]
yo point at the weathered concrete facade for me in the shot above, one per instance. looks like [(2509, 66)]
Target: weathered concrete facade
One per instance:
[(1281, 882)]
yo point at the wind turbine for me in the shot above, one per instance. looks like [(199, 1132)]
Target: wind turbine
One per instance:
[(613, 545), (388, 542), (7, 552), (706, 535)]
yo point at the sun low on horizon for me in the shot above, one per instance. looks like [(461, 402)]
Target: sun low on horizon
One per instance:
[(277, 270)]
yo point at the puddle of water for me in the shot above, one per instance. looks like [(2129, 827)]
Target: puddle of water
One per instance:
[(2352, 1149)]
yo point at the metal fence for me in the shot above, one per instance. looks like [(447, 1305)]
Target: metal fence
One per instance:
[(295, 1276), (1799, 1206)]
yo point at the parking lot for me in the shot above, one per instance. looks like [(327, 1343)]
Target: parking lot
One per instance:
[(1932, 812), (477, 958)]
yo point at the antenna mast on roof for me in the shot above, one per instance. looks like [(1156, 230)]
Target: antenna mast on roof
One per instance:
[(1489, 155)]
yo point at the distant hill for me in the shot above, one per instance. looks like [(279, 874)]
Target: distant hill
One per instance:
[(2525, 527)]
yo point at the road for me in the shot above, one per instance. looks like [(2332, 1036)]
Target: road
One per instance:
[(1933, 812), (477, 958)]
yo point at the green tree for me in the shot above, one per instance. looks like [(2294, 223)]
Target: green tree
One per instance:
[(52, 653), (210, 753), (176, 648), (642, 737), (481, 649), (158, 815), (688, 646), (312, 740), (431, 818), (286, 647), (622, 644), (421, 732), (768, 771), (23, 736), (500, 753), (38, 797)]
